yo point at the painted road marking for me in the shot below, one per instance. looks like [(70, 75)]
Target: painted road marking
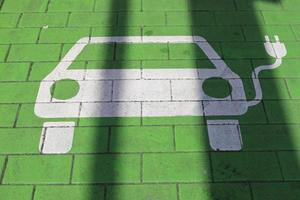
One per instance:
[(150, 92)]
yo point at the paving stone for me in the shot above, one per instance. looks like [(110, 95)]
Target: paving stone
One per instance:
[(274, 89), (290, 5), (270, 137), (141, 139), (63, 35), (16, 192), (292, 49), (93, 52), (118, 5), (14, 71), (165, 64), (245, 166), (284, 111), (259, 5), (126, 64), (109, 121), (76, 192), (165, 31), (211, 5), (19, 140), (70, 6), (222, 34), (9, 20), (239, 18), (189, 51), (43, 20), (186, 120), (289, 162), (141, 51), (172, 167), (8, 114), (25, 6), (280, 18), (110, 168), (164, 5), (18, 35), (293, 87), (31, 169), (34, 52), (206, 191), (194, 18), (243, 50), (16, 91), (141, 19), (157, 90), (90, 140), (142, 192), (257, 33), (92, 19), (116, 31), (276, 191), (191, 138)]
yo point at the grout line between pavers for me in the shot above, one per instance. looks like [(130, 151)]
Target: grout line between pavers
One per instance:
[(280, 166), (142, 6), (29, 72), (4, 170), (174, 137), (61, 51), (177, 191), (265, 111), (17, 115), (105, 192), (39, 35), (251, 190), (19, 20), (211, 166), (288, 88), (33, 192), (293, 31), (67, 21), (47, 6), (1, 4), (94, 5), (142, 168), (7, 53), (109, 139), (72, 169)]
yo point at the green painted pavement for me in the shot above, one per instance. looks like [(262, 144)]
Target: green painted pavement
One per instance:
[(149, 157)]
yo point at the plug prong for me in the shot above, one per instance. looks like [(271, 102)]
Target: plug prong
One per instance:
[(267, 38), (277, 38)]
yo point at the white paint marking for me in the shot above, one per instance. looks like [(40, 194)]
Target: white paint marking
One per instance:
[(130, 86), (57, 137), (153, 109), (224, 135), (111, 109), (141, 90)]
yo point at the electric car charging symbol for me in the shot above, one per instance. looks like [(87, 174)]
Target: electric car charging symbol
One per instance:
[(147, 93)]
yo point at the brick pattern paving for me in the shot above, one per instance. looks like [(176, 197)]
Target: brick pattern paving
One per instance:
[(149, 158)]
